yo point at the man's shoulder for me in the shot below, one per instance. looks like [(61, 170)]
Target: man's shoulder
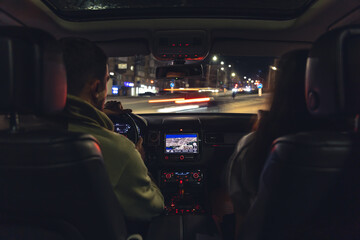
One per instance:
[(108, 140), (118, 151), (113, 139)]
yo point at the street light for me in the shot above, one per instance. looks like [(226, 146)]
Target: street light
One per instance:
[(222, 63), (111, 73), (229, 66), (245, 77), (214, 59), (222, 69), (274, 68), (233, 74)]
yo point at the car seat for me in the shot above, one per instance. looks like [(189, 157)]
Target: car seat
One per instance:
[(309, 185), (53, 183)]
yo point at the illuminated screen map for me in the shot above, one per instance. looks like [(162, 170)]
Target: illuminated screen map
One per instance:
[(181, 143)]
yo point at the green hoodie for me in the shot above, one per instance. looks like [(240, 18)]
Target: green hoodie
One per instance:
[(138, 195)]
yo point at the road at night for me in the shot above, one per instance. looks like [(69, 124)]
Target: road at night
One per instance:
[(243, 103)]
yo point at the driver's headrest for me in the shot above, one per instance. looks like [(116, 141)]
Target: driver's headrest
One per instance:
[(333, 74), (33, 77)]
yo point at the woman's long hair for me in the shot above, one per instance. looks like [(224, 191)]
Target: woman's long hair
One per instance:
[(288, 114)]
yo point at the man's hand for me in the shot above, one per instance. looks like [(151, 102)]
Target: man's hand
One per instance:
[(115, 107), (140, 148)]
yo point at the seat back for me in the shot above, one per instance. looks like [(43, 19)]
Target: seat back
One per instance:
[(303, 192), (309, 185), (53, 183)]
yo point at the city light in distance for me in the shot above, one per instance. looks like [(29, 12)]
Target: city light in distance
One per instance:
[(193, 100), (215, 58), (166, 100), (182, 89), (115, 90), (222, 63)]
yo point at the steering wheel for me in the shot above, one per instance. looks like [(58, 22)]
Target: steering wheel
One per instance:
[(124, 124)]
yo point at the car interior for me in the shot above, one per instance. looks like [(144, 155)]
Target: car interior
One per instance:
[(53, 182)]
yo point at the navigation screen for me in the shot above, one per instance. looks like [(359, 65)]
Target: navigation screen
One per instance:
[(181, 143)]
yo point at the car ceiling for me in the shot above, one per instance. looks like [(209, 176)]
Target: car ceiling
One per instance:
[(79, 10), (124, 37)]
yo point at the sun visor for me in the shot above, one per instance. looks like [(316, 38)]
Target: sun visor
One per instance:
[(125, 47)]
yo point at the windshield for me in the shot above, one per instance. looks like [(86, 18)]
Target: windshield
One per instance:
[(226, 85)]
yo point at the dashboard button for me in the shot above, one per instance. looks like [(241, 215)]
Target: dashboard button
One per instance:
[(189, 158), (173, 158)]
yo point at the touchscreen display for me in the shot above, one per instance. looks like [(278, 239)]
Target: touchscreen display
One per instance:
[(181, 143)]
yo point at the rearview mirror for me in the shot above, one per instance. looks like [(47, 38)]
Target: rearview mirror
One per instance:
[(179, 71)]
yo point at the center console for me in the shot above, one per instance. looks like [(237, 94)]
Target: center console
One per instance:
[(184, 191), (182, 176)]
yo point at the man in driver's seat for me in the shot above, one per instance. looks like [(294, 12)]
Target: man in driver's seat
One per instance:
[(87, 75)]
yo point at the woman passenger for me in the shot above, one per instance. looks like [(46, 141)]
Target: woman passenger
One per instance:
[(288, 114)]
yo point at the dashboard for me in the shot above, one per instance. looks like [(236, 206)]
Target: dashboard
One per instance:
[(187, 153)]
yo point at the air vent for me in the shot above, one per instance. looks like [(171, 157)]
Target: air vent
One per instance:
[(214, 138), (154, 138)]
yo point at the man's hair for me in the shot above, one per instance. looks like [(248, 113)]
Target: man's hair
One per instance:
[(84, 62)]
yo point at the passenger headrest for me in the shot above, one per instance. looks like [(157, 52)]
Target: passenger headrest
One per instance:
[(33, 77), (333, 74)]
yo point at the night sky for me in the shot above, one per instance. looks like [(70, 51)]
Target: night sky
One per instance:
[(249, 66), (245, 66)]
